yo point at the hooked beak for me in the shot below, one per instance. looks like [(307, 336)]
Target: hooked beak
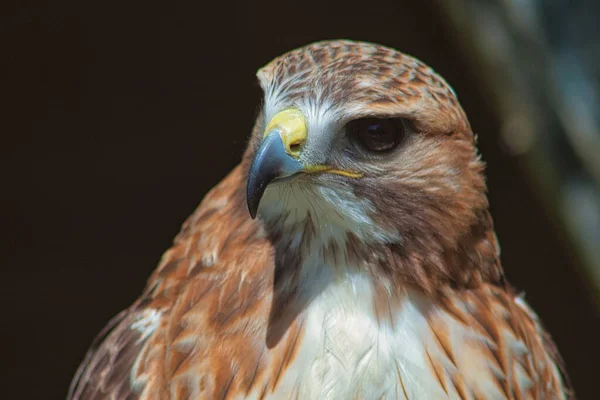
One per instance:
[(277, 156)]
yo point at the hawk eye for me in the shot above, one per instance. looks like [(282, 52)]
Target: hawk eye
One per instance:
[(377, 134)]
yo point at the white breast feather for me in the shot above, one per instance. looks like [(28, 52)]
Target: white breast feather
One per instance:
[(346, 353)]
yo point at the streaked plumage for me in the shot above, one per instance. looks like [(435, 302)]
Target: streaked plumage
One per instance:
[(374, 276)]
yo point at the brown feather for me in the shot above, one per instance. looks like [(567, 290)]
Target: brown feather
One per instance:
[(227, 297)]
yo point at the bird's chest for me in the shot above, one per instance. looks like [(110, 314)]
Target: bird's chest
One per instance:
[(356, 345)]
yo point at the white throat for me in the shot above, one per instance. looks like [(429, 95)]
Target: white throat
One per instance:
[(334, 210)]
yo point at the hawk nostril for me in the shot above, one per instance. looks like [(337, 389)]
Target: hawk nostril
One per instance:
[(296, 147)]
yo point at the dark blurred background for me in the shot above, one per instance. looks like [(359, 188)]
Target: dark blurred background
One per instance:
[(119, 117)]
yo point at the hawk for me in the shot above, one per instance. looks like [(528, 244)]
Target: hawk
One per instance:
[(350, 255)]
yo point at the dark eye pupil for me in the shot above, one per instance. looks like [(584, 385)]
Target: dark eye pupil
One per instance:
[(377, 134), (375, 129)]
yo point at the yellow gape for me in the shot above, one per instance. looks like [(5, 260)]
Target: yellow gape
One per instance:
[(290, 124)]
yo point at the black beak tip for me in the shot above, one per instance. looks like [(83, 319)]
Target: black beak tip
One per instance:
[(270, 162), (252, 214), (255, 188), (252, 205)]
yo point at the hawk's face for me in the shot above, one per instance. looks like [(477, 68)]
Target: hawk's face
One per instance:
[(360, 142)]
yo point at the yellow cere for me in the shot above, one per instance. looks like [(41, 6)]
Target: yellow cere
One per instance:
[(291, 125)]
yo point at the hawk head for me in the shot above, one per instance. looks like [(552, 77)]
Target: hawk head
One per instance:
[(362, 153)]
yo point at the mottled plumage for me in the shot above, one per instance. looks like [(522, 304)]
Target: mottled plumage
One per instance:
[(372, 276)]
